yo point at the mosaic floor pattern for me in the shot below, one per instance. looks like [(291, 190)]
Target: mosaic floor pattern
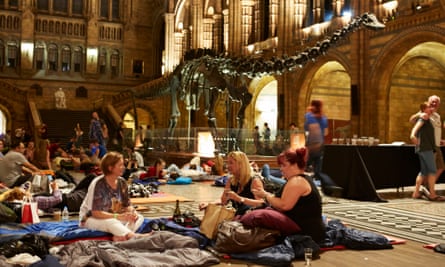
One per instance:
[(391, 220)]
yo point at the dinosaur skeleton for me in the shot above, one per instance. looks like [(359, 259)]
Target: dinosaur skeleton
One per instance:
[(203, 73)]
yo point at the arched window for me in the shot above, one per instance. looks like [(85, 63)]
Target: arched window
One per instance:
[(2, 22), (70, 29), (77, 59), (52, 57), (104, 8), (66, 58), (38, 25), (76, 29), (114, 63), (12, 54), (13, 4), (38, 89), (43, 5), (77, 7), (9, 22), (51, 26), (45, 26), (115, 9), (2, 122), (40, 57), (103, 61), (2, 56), (16, 23), (63, 27), (60, 6), (81, 92), (57, 27), (110, 9)]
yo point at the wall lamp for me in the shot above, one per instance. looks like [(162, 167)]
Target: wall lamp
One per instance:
[(420, 7)]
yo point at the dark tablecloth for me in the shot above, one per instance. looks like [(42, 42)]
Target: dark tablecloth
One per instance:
[(360, 170)]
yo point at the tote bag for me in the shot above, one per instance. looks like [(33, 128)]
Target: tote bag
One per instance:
[(215, 214), (30, 211)]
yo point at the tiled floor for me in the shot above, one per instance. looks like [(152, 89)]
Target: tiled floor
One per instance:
[(205, 192)]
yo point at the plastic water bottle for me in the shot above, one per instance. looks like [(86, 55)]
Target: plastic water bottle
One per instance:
[(65, 214)]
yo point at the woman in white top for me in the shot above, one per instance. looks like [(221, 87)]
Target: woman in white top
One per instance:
[(107, 206)]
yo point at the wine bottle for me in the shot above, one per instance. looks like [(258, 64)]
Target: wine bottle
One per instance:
[(177, 215)]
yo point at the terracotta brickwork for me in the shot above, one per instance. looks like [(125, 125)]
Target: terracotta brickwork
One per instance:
[(393, 69)]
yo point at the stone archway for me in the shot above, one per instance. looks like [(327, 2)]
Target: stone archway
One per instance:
[(418, 74), (265, 103), (388, 62), (145, 115), (331, 84)]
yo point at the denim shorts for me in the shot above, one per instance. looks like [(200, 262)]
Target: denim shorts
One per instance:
[(427, 163)]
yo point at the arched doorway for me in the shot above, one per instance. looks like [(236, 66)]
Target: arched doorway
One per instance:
[(332, 85), (3, 121), (144, 119), (419, 72), (266, 107)]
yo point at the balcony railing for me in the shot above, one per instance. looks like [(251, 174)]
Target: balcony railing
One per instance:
[(224, 140)]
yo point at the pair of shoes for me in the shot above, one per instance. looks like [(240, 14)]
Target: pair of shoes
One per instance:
[(437, 198), (425, 191)]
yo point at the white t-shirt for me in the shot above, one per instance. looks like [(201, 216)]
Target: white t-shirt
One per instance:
[(437, 124)]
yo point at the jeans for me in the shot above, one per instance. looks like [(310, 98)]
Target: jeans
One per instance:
[(316, 160), (266, 172)]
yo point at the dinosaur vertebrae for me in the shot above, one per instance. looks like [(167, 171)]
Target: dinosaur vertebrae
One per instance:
[(257, 67)]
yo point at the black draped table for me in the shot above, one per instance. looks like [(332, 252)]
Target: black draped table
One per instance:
[(361, 170)]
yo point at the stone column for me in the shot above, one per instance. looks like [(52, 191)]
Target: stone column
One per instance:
[(169, 42)]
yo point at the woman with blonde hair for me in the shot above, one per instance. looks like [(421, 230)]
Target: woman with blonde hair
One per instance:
[(242, 180)]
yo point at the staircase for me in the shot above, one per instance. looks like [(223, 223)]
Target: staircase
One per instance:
[(61, 124)]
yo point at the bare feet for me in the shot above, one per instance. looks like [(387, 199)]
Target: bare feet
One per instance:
[(436, 198), (119, 238), (130, 236), (425, 191), (417, 196), (137, 235)]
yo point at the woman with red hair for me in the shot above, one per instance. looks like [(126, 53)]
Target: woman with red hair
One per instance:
[(296, 207)]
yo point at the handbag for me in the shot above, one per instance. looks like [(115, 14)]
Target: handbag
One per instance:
[(214, 214), (234, 237), (29, 211)]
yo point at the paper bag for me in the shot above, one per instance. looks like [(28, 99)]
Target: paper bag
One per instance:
[(214, 214), (30, 211)]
